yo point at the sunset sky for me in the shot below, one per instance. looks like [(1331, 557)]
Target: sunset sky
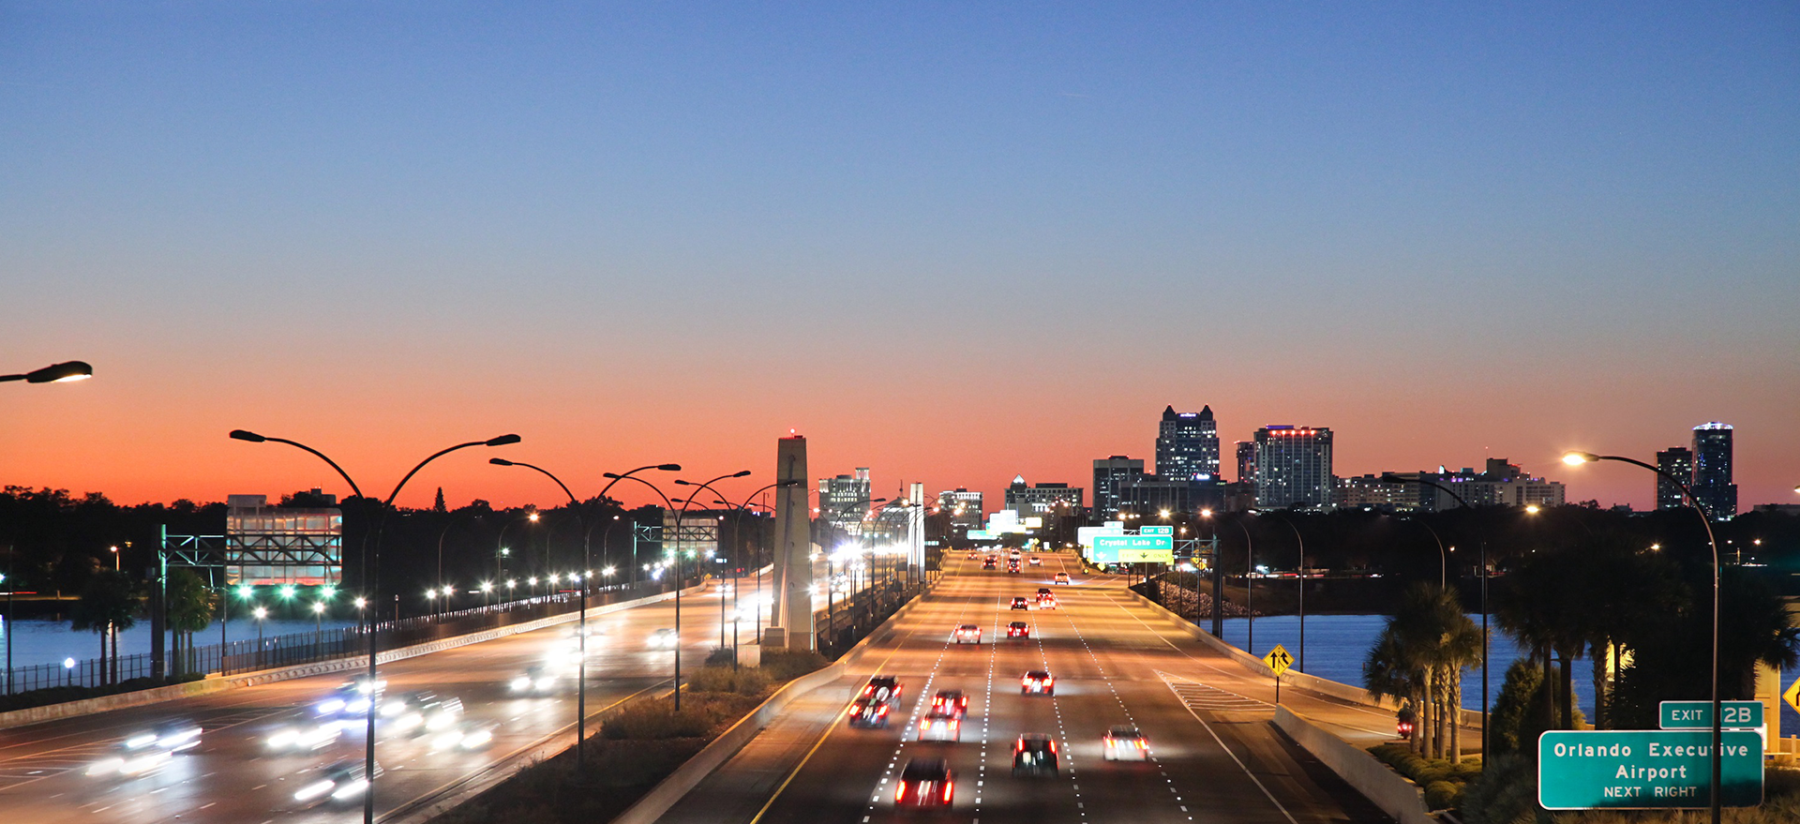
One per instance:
[(953, 242)]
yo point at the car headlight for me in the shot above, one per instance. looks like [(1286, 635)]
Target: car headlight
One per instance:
[(330, 706), (478, 738), (106, 767), (350, 789), (521, 683), (314, 790)]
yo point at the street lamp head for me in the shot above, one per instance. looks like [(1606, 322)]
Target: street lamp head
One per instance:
[(319, 607), (533, 517), (1533, 509), (361, 602), (1206, 513), (287, 591), (500, 462), (503, 440), (663, 467), (261, 613), (246, 592), (61, 373), (740, 474), (1579, 458), (246, 435)]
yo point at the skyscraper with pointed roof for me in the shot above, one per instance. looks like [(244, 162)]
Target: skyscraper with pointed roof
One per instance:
[(1187, 445)]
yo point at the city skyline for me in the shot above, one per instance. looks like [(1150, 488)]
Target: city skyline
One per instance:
[(951, 244)]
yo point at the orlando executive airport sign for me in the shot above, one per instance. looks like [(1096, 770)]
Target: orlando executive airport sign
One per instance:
[(1654, 769)]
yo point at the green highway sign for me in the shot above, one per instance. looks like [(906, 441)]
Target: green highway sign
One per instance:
[(1157, 530), (1646, 769), (1697, 715), (1133, 549)]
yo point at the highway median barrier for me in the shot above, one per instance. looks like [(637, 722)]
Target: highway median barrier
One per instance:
[(1384, 788)]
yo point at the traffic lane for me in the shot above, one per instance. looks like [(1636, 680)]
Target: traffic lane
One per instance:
[(230, 776)]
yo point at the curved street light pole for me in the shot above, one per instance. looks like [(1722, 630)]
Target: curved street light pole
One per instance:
[(1578, 458), (1249, 569), (1391, 478), (678, 516), (369, 551)]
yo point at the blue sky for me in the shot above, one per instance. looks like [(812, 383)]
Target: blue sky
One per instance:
[(1535, 216)]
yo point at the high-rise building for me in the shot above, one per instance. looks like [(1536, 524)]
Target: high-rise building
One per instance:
[(1293, 467), (1712, 470), (1246, 462), (1042, 499), (1187, 446), (1679, 462), (964, 508), (1500, 483), (1111, 476), (844, 501)]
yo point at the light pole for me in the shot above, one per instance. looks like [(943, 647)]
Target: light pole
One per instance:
[(370, 550), (678, 515), (1579, 458), (1249, 569), (260, 612), (1391, 478), (1301, 664), (318, 609)]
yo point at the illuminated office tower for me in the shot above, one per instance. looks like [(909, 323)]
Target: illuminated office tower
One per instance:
[(1712, 470), (1293, 467), (1679, 462)]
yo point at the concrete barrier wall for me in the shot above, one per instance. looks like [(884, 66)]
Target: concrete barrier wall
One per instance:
[(689, 775), (1385, 788), (214, 683)]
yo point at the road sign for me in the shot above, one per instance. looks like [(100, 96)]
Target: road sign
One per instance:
[(1157, 530), (1792, 696), (1697, 715), (1278, 659), (1646, 769), (1133, 549)]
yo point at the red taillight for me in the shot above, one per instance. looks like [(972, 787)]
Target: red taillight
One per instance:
[(1053, 746), (882, 711), (1142, 745), (955, 725), (900, 793), (870, 690), (948, 786)]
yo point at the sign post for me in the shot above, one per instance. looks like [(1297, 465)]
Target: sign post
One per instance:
[(1646, 769), (1278, 660)]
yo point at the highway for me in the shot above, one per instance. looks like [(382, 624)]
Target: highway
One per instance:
[(1214, 755), (232, 777)]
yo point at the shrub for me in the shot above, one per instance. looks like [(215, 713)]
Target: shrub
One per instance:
[(752, 681), (720, 656), (1442, 795), (657, 719), (1432, 772), (1504, 793), (786, 665)]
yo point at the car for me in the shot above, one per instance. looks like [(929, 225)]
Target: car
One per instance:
[(462, 736), (974, 555), (1061, 578), (940, 726), (953, 702), (1012, 565), (147, 751), (1046, 601), (1125, 743), (536, 680), (925, 782), (869, 712), (1034, 754), (1037, 682), (1015, 555), (1036, 561), (1042, 591), (1019, 602), (989, 563), (967, 634), (305, 736), (422, 712), (1018, 629), (340, 782), (664, 638), (353, 698), (884, 688)]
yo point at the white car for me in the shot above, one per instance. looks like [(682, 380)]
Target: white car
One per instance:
[(967, 634), (940, 726), (1126, 744), (664, 638), (305, 737)]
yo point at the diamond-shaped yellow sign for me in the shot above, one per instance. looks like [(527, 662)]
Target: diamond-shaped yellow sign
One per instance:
[(1278, 659), (1792, 696)]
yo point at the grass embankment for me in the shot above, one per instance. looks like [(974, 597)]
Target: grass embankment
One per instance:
[(640, 743)]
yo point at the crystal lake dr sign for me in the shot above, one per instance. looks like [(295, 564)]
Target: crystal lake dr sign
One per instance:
[(1646, 769)]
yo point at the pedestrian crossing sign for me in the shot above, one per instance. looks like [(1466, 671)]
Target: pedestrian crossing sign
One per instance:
[(1278, 659)]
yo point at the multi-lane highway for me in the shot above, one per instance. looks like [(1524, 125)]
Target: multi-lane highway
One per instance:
[(1214, 756), (232, 777)]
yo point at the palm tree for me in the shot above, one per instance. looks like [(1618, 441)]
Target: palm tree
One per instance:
[(190, 608), (108, 605), (1538, 605), (1390, 672), (1420, 658)]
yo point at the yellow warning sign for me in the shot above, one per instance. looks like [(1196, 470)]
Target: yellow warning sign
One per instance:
[(1278, 659), (1792, 696)]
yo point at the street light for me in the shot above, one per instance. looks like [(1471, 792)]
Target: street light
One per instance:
[(55, 373), (678, 515), (1579, 458), (1301, 664), (260, 613), (369, 552)]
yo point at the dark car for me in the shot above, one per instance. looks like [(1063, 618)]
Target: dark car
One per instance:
[(926, 782), (953, 702), (989, 563), (1034, 754), (1037, 682), (883, 688), (1018, 629), (1019, 602), (340, 783), (869, 713)]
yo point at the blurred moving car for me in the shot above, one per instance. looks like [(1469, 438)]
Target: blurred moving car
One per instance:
[(352, 698), (967, 634), (664, 638), (990, 562), (1034, 754), (305, 736), (1037, 682), (536, 680), (925, 782), (940, 726), (148, 751), (462, 736), (419, 712), (869, 713), (1061, 578), (953, 702), (1125, 743), (1046, 601), (1019, 602), (884, 688), (1018, 629), (343, 781), (1036, 561)]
